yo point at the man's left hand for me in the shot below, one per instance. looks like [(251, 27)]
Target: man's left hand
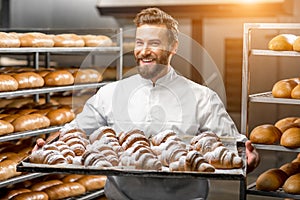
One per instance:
[(252, 155)]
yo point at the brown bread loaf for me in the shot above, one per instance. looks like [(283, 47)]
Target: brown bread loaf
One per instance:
[(271, 180), (8, 83), (282, 42), (291, 138), (28, 80), (68, 40), (36, 39), (30, 122), (265, 134), (292, 184), (8, 40), (283, 88), (58, 78), (65, 190)]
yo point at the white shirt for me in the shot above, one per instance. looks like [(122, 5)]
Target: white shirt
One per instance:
[(174, 102)]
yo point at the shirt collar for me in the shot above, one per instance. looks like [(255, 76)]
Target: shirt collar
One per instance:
[(163, 80)]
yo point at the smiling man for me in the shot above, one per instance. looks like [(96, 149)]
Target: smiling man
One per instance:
[(154, 100)]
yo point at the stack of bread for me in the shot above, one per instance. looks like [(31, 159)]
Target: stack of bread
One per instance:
[(285, 132), (37, 117), (287, 88), (285, 42), (286, 176), (55, 187), (12, 79), (132, 150), (38, 39), (11, 153)]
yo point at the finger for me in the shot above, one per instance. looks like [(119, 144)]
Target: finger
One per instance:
[(40, 142), (249, 146)]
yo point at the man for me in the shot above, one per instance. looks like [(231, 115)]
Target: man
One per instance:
[(156, 99)]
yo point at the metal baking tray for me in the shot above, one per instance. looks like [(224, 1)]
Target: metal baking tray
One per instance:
[(251, 189), (229, 174)]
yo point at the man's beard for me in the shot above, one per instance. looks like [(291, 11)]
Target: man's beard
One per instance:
[(152, 70)]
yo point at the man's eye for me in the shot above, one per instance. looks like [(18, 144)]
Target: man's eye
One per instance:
[(154, 44), (137, 43)]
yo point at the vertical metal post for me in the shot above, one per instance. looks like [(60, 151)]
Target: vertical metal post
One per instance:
[(120, 59), (36, 66), (4, 14)]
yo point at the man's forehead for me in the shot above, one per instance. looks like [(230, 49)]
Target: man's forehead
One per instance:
[(151, 30)]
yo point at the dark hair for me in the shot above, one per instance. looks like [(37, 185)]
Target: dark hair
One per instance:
[(155, 16)]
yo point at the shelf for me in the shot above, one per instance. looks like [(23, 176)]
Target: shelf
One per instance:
[(44, 90), (22, 50), (279, 193), (259, 52), (267, 97), (18, 135), (276, 148), (19, 179)]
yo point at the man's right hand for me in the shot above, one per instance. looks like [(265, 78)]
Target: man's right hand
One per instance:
[(39, 144)]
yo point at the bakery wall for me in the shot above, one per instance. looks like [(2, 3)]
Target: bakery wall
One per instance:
[(83, 14)]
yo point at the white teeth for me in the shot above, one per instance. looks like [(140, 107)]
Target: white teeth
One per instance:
[(147, 60)]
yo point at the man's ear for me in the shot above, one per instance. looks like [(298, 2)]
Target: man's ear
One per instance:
[(174, 47)]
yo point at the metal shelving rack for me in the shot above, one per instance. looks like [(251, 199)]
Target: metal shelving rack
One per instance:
[(265, 97), (37, 52)]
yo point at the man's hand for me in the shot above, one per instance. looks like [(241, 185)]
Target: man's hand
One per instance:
[(252, 155), (39, 144)]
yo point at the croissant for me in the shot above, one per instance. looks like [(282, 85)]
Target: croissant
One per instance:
[(205, 142), (104, 130), (76, 141), (128, 139), (96, 159), (222, 158), (107, 150), (50, 157), (164, 136), (171, 152), (193, 161), (141, 157)]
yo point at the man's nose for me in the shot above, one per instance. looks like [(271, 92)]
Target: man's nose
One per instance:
[(145, 50)]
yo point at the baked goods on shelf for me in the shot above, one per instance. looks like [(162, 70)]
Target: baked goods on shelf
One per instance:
[(296, 45), (265, 134), (284, 132), (284, 88), (58, 78), (271, 180), (87, 76), (97, 40), (68, 40), (9, 40), (35, 39), (8, 83), (282, 42)]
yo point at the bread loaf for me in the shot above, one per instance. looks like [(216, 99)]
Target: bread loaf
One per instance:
[(8, 40), (292, 184), (87, 76), (92, 182), (96, 40), (35, 195), (29, 80), (296, 45), (271, 180), (8, 169), (58, 78), (8, 83), (60, 116), (35, 39), (30, 122), (15, 192), (265, 134), (291, 168), (68, 40), (287, 122), (291, 138), (6, 127), (45, 184), (283, 88), (282, 42), (65, 190)]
